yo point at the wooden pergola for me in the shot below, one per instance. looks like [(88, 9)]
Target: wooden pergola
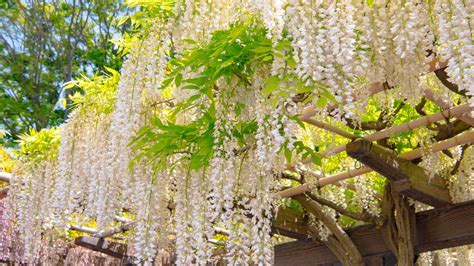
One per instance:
[(446, 225)]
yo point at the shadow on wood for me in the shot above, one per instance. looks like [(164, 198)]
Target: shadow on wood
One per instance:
[(446, 227)]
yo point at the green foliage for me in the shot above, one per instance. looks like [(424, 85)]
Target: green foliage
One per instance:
[(97, 94), (229, 54), (158, 140), (147, 10), (233, 53), (39, 146), (233, 56), (7, 160), (45, 44), (141, 21)]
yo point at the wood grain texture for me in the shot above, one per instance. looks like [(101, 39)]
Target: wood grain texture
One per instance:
[(408, 178), (291, 223), (114, 249), (440, 228)]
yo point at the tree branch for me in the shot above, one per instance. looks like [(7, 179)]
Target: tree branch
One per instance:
[(442, 75), (341, 243), (366, 217), (458, 162)]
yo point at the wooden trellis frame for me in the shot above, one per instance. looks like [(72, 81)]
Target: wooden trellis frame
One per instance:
[(465, 138)]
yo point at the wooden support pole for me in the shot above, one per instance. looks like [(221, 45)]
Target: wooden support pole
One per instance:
[(407, 178), (461, 139), (436, 229), (329, 128)]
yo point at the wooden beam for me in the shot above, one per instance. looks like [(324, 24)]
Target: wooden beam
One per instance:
[(408, 178), (441, 228), (114, 249), (446, 227), (291, 223)]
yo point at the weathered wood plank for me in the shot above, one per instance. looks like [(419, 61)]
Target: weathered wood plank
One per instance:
[(408, 178), (440, 228), (446, 227), (114, 249), (307, 252), (291, 223)]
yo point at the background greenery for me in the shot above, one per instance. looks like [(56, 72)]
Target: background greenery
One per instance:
[(43, 45)]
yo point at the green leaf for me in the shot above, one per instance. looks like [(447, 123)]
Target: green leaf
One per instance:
[(321, 102), (291, 62), (283, 44), (288, 154), (271, 84), (178, 79), (198, 81), (305, 89), (238, 108), (262, 49), (316, 159)]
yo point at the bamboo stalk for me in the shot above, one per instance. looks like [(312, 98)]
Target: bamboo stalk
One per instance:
[(128, 226), (330, 128), (464, 138), (422, 121), (5, 177), (122, 219), (113, 231), (221, 231), (216, 242), (83, 229), (464, 117)]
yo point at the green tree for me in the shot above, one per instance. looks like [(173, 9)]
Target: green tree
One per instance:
[(45, 43)]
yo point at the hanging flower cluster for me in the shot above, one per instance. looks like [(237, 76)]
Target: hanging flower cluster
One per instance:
[(195, 131), (219, 147), (455, 30), (28, 213)]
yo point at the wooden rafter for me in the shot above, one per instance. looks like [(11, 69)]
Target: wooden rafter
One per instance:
[(407, 178), (291, 223)]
